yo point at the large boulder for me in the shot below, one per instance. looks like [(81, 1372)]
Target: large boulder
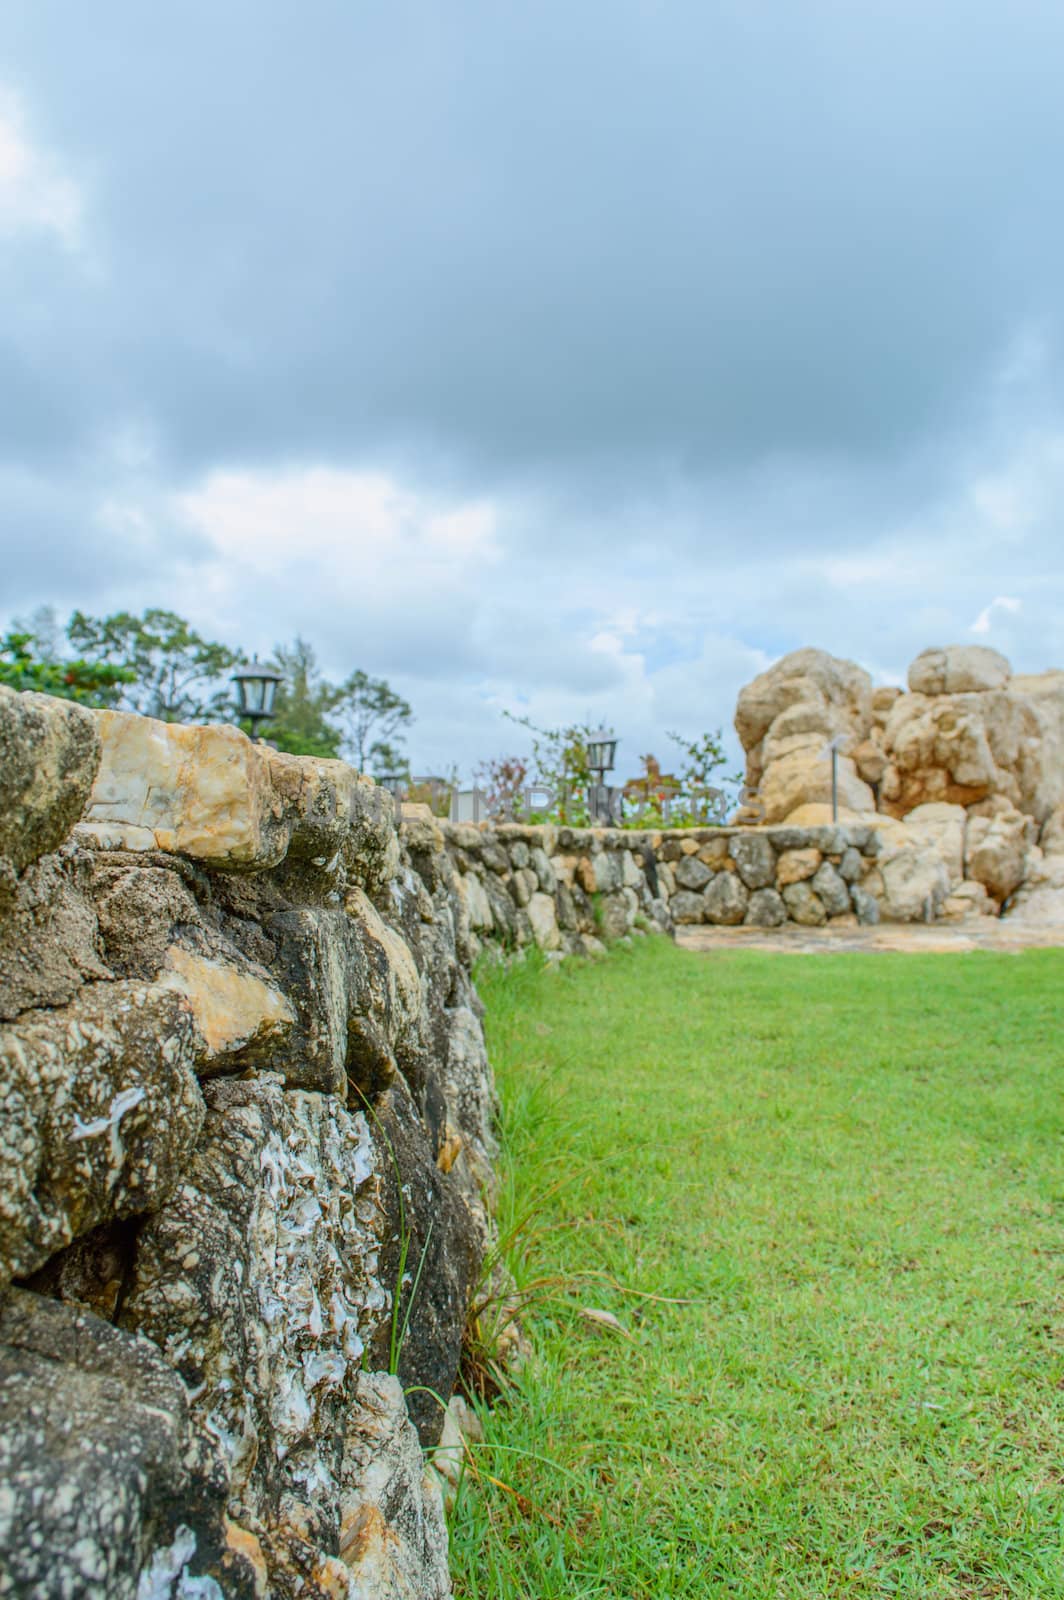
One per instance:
[(997, 846), (836, 697), (965, 747), (755, 859), (915, 880), (959, 669), (940, 826), (1039, 901), (787, 717)]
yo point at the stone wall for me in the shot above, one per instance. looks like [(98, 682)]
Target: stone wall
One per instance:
[(244, 1101), (572, 890)]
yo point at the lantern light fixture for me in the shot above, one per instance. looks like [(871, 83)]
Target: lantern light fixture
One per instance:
[(602, 752), (256, 691)]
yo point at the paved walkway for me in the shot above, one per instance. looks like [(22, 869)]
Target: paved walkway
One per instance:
[(978, 933)]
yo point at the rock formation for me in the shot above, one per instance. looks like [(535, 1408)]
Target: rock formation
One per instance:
[(970, 762)]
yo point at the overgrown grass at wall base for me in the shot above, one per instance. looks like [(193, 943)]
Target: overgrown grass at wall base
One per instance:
[(823, 1198)]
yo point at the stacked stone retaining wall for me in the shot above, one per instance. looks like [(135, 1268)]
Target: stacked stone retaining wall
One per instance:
[(574, 889)]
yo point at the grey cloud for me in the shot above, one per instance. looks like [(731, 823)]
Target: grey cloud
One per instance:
[(545, 241)]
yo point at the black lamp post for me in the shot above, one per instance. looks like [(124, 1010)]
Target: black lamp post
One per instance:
[(256, 691), (602, 752), (601, 755)]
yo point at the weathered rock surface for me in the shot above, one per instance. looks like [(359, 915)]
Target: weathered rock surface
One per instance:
[(211, 794), (766, 909), (106, 1487), (755, 860), (940, 826), (49, 754), (787, 717), (996, 850), (726, 899), (246, 1112), (969, 745), (804, 904), (98, 1107), (915, 883), (959, 669), (244, 1103)]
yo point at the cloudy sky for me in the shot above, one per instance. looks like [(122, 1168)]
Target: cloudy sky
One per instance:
[(578, 357)]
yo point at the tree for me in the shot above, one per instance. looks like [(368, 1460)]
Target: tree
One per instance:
[(300, 722), (177, 675), (560, 757), (374, 719), (705, 801), (23, 667), (503, 781)]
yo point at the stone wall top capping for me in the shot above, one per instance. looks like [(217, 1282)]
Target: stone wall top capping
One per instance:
[(210, 793)]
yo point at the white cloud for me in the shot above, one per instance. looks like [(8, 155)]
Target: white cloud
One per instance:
[(36, 194), (363, 524), (1001, 602)]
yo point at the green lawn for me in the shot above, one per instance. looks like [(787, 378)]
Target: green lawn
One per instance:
[(824, 1197)]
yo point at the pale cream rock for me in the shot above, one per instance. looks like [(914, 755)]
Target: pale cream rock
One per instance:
[(837, 693), (1039, 902), (461, 1429), (393, 986), (817, 814), (565, 868), (231, 1009), (472, 891), (383, 1559), (212, 794), (1051, 838), (794, 866), (632, 873), (802, 775), (915, 883), (959, 669), (200, 791), (543, 917), (996, 850), (49, 754), (883, 699), (787, 717), (969, 899), (965, 748), (939, 826), (870, 761)]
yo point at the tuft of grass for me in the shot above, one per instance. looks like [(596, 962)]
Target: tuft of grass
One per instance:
[(823, 1197)]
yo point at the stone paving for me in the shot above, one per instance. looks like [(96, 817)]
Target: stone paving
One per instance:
[(975, 933)]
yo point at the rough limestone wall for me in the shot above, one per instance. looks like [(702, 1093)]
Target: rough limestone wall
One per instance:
[(235, 1016), (571, 889)]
